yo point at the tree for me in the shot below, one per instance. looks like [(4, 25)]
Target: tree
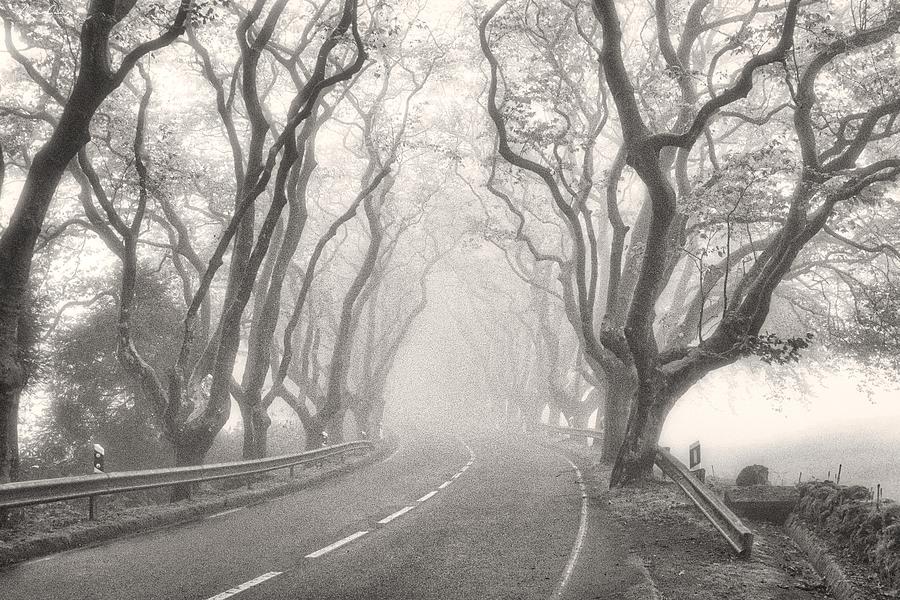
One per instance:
[(657, 142), (208, 375), (95, 81), (91, 399)]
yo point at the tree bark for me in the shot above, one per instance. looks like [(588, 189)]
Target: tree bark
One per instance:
[(638, 451), (617, 406), (188, 453)]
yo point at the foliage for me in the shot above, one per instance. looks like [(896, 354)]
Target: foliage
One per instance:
[(773, 349), (91, 398), (873, 333)]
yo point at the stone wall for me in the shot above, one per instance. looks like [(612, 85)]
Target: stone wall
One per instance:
[(848, 514)]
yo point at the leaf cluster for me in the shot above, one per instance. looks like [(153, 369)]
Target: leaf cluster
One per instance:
[(773, 349)]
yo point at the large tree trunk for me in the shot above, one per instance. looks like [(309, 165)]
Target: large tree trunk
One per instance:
[(9, 446), (259, 416), (256, 420), (617, 406), (13, 436), (638, 452), (188, 453), (335, 427), (9, 451), (249, 435), (362, 416), (315, 437)]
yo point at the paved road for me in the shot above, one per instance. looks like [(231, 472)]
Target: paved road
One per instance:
[(440, 518)]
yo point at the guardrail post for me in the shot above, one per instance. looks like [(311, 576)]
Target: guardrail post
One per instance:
[(91, 507), (292, 471)]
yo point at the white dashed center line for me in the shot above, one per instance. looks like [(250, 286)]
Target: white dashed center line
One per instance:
[(337, 544), (245, 586), (321, 552), (427, 496), (399, 513)]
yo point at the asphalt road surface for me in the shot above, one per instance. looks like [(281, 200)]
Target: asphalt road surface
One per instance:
[(494, 518)]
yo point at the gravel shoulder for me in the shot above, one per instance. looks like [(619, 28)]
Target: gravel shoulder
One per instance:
[(684, 555)]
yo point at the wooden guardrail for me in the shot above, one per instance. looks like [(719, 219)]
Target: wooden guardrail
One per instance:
[(729, 525), (40, 491)]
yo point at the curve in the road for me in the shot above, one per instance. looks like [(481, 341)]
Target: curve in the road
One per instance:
[(579, 538), (353, 536), (504, 531)]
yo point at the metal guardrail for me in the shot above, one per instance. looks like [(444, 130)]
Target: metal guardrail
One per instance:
[(592, 433), (40, 491), (729, 525)]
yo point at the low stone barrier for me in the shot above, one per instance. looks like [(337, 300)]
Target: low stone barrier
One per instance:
[(869, 531), (772, 503)]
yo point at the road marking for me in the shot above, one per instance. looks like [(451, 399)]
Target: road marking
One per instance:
[(456, 476), (399, 513), (579, 539), (244, 586), (225, 512), (337, 544), (464, 469), (445, 484), (393, 454), (427, 496)]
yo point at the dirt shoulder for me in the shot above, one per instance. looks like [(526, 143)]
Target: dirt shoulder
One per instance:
[(44, 529), (684, 555)]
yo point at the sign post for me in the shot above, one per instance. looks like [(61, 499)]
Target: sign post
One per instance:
[(695, 455), (99, 456), (695, 460)]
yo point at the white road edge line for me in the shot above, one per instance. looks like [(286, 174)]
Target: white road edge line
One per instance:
[(245, 586), (393, 454), (456, 476), (399, 513), (337, 544), (579, 539), (427, 496), (445, 484), (225, 512)]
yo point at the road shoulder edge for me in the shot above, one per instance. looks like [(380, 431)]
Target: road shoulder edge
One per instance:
[(624, 574)]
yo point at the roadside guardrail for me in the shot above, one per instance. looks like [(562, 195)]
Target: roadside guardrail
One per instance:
[(592, 433), (41, 491), (729, 525), (739, 537)]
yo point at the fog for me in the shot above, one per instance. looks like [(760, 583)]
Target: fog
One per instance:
[(443, 216)]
